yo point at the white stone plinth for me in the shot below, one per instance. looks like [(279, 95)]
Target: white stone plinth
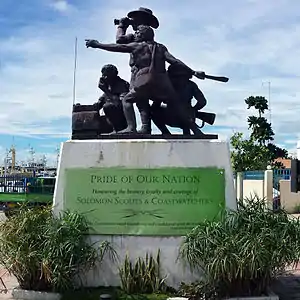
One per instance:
[(20, 294), (157, 153)]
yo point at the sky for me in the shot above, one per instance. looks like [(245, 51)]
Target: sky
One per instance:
[(252, 42)]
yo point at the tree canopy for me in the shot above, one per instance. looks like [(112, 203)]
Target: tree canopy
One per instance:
[(258, 151)]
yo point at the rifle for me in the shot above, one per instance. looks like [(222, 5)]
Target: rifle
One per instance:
[(217, 78), (206, 117)]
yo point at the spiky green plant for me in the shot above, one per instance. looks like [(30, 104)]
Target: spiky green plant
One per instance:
[(143, 276), (241, 254), (45, 252)]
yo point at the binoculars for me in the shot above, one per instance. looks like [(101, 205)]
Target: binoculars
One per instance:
[(129, 21)]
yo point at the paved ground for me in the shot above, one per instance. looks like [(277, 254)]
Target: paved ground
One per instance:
[(10, 282), (288, 287), (2, 216)]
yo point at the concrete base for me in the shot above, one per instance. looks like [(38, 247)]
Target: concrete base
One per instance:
[(271, 296), (20, 294), (142, 154), (92, 135)]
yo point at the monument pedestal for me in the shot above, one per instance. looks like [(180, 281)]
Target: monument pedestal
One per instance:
[(144, 195)]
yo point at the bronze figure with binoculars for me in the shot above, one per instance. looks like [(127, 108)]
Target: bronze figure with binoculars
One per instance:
[(171, 91)]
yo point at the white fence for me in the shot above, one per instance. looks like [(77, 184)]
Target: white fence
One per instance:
[(272, 185), (260, 187)]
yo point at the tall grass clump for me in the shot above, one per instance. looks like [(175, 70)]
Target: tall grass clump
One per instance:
[(46, 252), (242, 253), (142, 276)]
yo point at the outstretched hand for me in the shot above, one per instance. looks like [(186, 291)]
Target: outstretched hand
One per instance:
[(199, 74), (91, 43)]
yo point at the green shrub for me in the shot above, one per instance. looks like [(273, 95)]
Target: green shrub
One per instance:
[(242, 253), (296, 209), (142, 277), (45, 252)]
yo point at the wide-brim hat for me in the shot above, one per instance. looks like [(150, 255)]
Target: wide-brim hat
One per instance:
[(146, 14)]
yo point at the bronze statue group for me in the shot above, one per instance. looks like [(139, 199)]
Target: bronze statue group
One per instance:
[(170, 90)]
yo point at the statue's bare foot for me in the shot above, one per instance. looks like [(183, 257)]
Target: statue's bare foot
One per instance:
[(127, 130), (112, 133), (144, 130)]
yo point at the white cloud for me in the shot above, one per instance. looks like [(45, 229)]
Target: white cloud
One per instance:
[(61, 5), (251, 43)]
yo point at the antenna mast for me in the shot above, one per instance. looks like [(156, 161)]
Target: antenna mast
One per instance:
[(74, 72), (57, 150)]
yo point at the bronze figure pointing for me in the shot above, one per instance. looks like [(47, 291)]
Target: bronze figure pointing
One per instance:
[(171, 92), (151, 80)]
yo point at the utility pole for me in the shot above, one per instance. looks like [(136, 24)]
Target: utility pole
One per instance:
[(12, 150), (57, 150), (44, 162), (74, 71), (5, 170), (5, 163), (32, 160), (74, 75)]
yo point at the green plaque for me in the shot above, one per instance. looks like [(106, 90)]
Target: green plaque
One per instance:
[(161, 201)]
